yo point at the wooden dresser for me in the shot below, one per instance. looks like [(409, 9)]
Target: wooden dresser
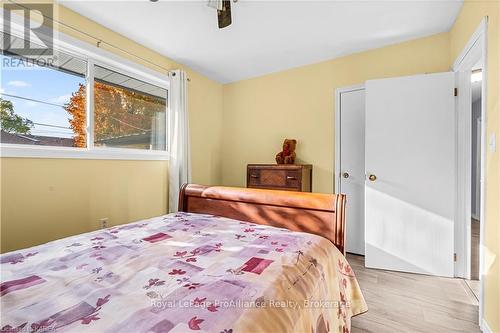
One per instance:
[(288, 177)]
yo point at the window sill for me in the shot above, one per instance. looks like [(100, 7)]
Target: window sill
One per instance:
[(27, 151)]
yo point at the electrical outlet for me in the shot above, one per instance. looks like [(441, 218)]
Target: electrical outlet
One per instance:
[(103, 222)]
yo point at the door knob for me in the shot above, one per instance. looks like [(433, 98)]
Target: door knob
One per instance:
[(372, 178), (345, 175)]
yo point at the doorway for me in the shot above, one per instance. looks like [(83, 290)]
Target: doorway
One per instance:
[(475, 220), (350, 162), (471, 68)]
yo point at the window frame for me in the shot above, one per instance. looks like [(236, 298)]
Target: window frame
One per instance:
[(93, 55)]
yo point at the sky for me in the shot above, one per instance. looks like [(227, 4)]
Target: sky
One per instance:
[(41, 84)]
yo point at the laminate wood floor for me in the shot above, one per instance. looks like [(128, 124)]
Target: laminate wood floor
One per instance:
[(474, 249), (413, 303)]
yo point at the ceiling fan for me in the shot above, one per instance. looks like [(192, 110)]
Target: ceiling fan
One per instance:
[(223, 8), (223, 11)]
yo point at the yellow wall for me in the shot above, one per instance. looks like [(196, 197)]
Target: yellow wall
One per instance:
[(471, 15), (298, 103), (46, 199)]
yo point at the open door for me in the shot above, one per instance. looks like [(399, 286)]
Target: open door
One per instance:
[(410, 181)]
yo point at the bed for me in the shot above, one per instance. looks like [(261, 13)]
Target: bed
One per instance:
[(231, 260)]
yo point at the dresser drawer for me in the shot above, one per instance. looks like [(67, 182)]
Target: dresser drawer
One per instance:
[(277, 177), (253, 176)]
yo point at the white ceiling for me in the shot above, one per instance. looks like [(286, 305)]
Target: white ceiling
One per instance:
[(267, 36)]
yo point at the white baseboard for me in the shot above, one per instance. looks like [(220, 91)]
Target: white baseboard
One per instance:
[(485, 328)]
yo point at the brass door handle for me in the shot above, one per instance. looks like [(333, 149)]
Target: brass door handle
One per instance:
[(254, 176), (291, 178), (372, 178), (345, 175)]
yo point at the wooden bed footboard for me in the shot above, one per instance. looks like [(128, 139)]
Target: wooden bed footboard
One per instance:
[(321, 214)]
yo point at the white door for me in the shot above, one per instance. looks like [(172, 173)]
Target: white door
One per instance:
[(410, 149), (352, 165)]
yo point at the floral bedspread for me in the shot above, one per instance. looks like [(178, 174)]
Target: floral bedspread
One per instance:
[(180, 273)]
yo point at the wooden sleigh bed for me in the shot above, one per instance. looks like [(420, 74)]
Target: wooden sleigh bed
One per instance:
[(231, 260), (320, 214)]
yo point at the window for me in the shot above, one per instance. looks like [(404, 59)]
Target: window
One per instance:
[(35, 97), (128, 113), (47, 103)]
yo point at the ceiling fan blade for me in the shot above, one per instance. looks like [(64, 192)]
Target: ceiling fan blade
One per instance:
[(224, 15)]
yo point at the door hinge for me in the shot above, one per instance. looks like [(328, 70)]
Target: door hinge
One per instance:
[(454, 257), (455, 92)]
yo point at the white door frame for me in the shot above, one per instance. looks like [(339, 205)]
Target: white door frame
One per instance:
[(336, 139), (477, 188), (474, 51)]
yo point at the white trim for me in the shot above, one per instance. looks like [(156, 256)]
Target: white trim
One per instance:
[(485, 328), (93, 55), (477, 189), (89, 89), (482, 210), (336, 112), (29, 151), (462, 59), (477, 49)]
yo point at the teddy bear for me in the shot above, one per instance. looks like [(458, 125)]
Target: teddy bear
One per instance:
[(287, 156)]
